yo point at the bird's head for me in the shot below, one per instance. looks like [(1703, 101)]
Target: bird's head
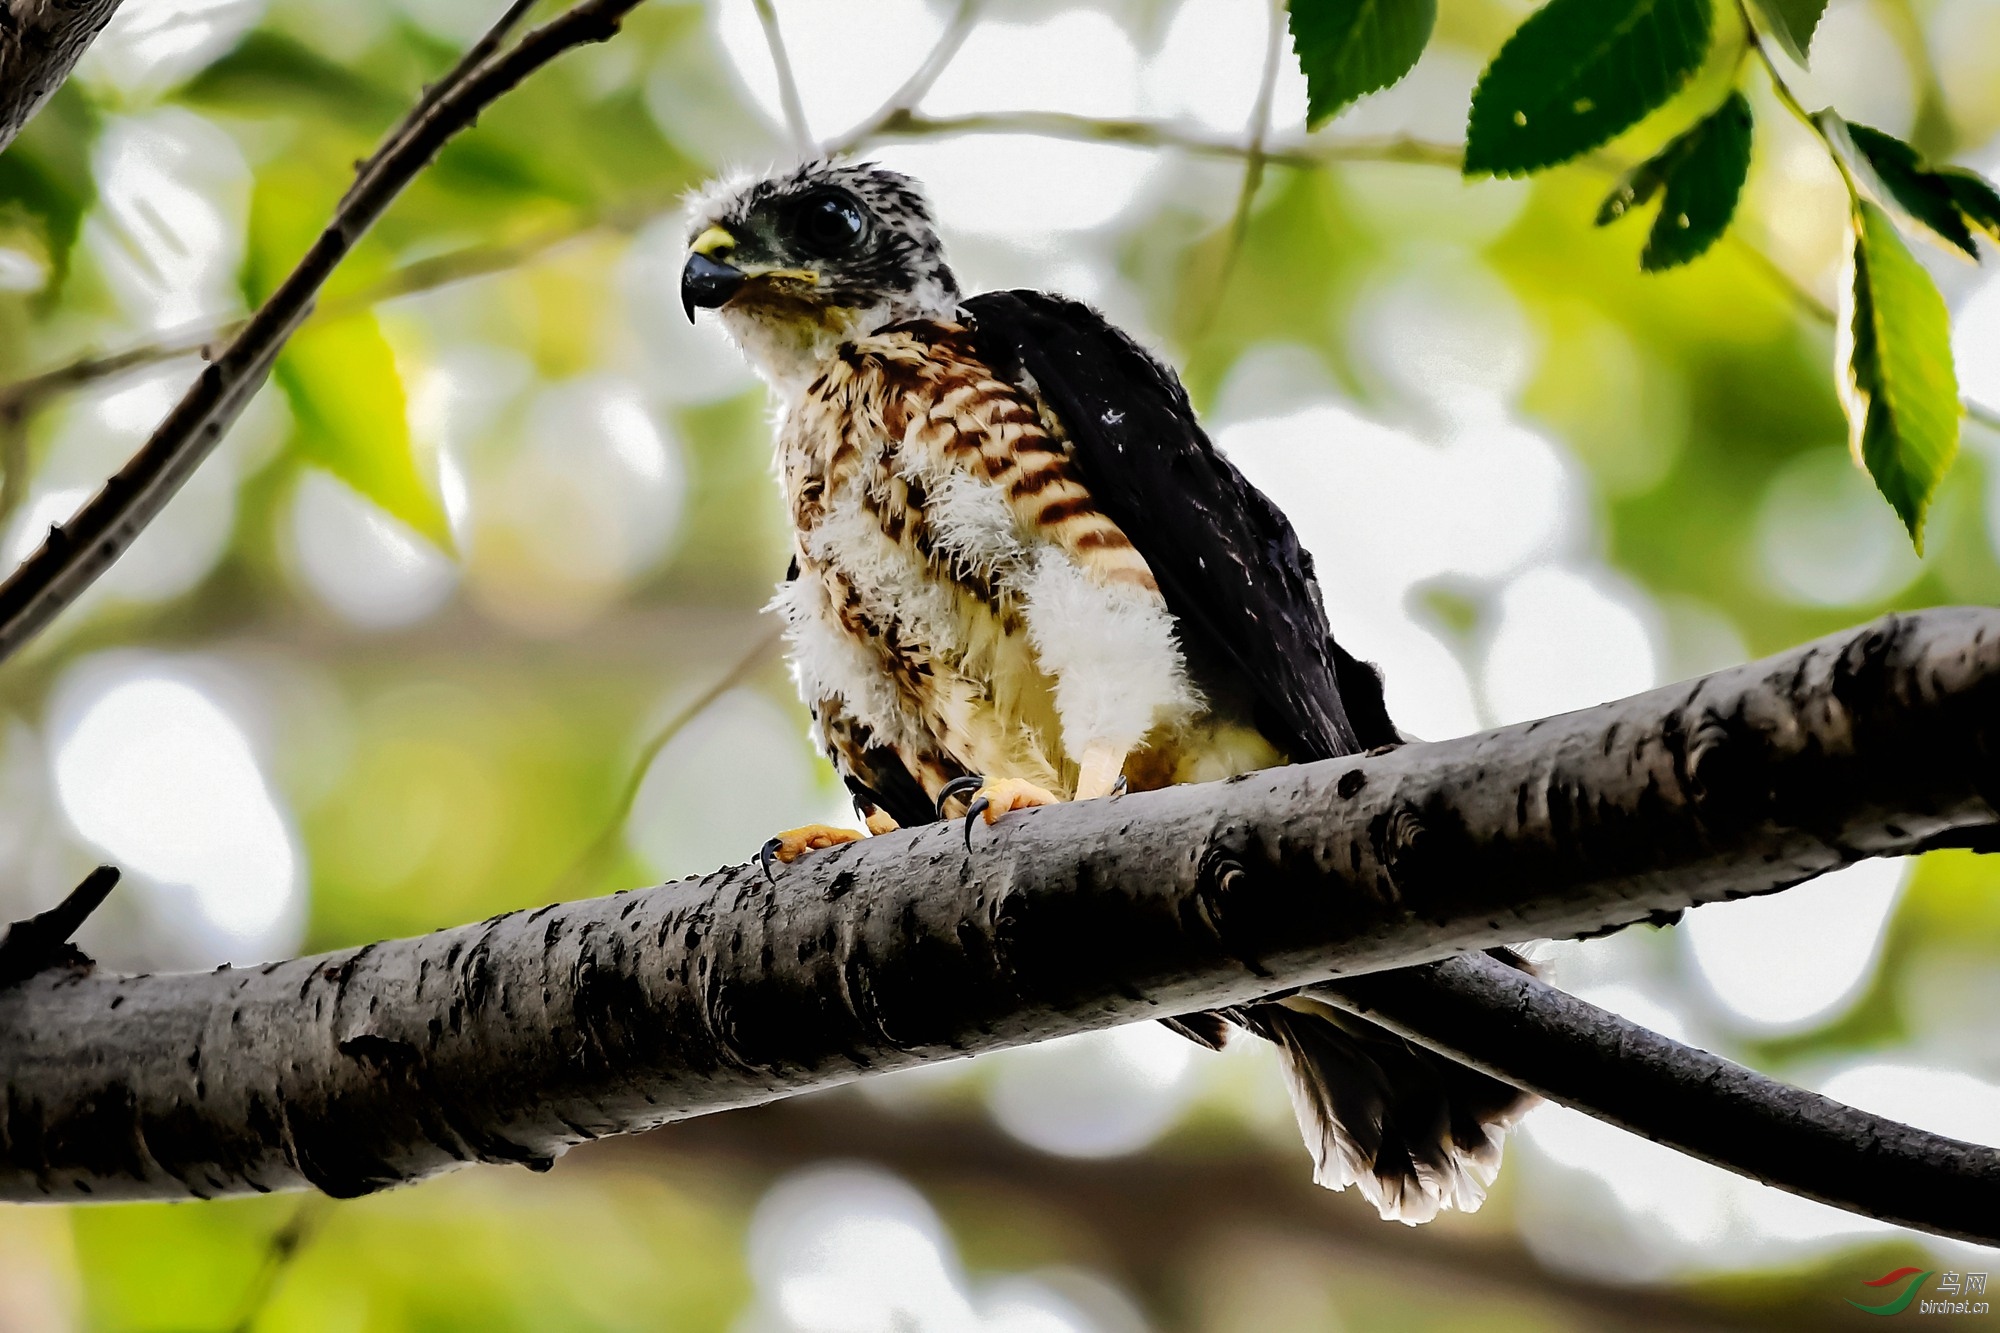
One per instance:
[(800, 261)]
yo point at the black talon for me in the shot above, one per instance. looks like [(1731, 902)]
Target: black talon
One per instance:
[(764, 855), (958, 786), (1118, 787), (972, 814)]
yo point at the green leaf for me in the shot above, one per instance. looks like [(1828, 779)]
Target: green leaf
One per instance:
[(1896, 376), (1350, 48), (1976, 198), (1703, 172), (1793, 23), (268, 71), (1906, 180), (46, 184), (1577, 74), (347, 399)]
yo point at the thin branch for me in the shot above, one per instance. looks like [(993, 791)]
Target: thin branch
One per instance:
[(1701, 1104), (1143, 133), (42, 941), (30, 394), (593, 860), (40, 43), (905, 99), (13, 459), (284, 1247), (519, 1037), (1253, 162), (74, 555), (788, 85)]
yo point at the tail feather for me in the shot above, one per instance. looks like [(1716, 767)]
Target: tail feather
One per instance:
[(1415, 1131)]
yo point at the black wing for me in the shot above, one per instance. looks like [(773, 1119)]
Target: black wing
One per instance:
[(1227, 561)]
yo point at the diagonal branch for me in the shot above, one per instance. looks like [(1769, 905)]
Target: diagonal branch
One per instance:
[(40, 42), (904, 100), (1702, 1104), (76, 553), (517, 1038), (788, 84)]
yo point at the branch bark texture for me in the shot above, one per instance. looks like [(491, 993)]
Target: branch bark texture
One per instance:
[(40, 43), (517, 1038)]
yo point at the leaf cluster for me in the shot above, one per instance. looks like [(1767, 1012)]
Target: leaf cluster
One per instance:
[(1577, 74)]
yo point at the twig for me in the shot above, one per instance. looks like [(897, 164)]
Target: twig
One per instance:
[(1797, 292), (286, 1243), (590, 862), (42, 941), (1253, 165), (13, 458), (31, 393), (904, 100), (1303, 153), (788, 86), (73, 556)]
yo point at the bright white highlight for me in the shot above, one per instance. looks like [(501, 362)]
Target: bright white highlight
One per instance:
[(1096, 1094), (1943, 1101), (168, 231), (149, 769), (732, 777), (1566, 640), (151, 45), (1384, 513), (1791, 961), (1824, 536), (369, 568), (846, 57), (850, 1249)]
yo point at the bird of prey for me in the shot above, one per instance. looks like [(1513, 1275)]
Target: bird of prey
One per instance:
[(1021, 574)]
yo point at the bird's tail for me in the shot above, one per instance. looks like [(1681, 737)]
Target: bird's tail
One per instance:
[(1415, 1131)]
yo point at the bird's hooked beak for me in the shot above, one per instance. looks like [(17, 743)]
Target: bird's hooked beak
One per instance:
[(709, 281)]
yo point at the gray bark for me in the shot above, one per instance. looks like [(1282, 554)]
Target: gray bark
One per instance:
[(40, 42), (517, 1038)]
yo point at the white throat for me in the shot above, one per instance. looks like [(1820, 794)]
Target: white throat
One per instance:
[(789, 352)]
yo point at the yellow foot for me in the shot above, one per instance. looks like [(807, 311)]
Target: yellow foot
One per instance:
[(1002, 795), (993, 798), (790, 845)]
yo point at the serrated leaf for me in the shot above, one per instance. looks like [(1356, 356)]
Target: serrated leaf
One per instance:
[(1793, 23), (1976, 198), (1350, 48), (1702, 172), (1577, 74), (347, 400), (1895, 372), (1906, 181)]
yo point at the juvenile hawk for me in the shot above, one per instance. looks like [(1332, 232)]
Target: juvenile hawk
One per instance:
[(1019, 565)]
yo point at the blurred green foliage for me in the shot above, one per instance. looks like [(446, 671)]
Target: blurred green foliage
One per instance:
[(458, 763)]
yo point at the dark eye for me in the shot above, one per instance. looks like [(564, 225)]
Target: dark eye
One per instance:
[(829, 224)]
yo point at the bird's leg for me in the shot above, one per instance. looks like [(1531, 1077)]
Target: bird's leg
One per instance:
[(992, 797), (790, 845), (1100, 772)]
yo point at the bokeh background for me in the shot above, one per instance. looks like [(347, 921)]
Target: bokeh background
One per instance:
[(1533, 477)]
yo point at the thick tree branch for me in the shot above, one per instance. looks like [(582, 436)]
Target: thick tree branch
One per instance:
[(40, 42), (519, 1037), (76, 553)]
